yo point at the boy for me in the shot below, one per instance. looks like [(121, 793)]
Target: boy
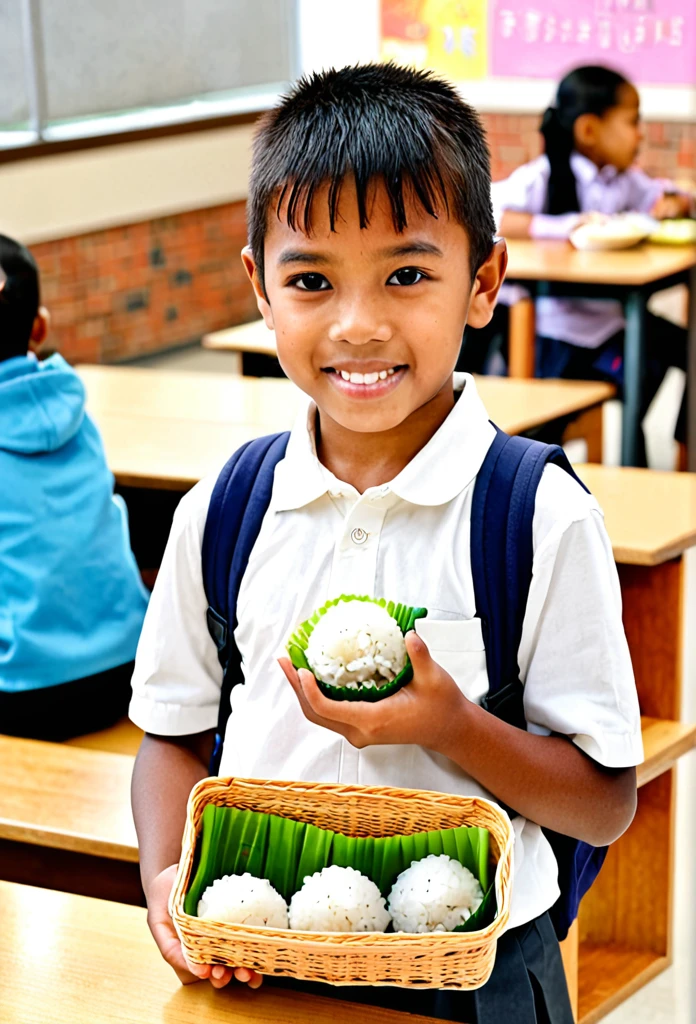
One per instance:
[(371, 246), (71, 600)]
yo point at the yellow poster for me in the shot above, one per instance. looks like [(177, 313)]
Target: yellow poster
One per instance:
[(449, 36)]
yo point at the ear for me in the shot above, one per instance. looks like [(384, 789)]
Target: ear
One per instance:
[(39, 330), (585, 131), (484, 292), (256, 283)]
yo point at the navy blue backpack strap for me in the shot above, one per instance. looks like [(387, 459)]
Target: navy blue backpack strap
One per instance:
[(238, 504), (502, 553)]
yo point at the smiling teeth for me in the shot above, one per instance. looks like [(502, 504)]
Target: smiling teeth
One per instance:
[(366, 378)]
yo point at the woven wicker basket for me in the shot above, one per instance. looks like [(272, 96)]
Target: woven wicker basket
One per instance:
[(443, 960)]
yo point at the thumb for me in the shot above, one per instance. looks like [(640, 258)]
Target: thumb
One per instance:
[(418, 652)]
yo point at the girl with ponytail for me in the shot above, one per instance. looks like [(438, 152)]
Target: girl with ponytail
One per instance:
[(591, 135)]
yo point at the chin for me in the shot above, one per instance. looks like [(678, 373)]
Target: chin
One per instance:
[(367, 421)]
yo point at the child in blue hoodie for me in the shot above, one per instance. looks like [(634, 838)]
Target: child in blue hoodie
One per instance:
[(71, 599)]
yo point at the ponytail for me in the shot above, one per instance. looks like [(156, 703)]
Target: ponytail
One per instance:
[(562, 194), (587, 90)]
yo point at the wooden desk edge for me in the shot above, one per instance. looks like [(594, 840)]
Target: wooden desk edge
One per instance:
[(666, 759), (75, 842)]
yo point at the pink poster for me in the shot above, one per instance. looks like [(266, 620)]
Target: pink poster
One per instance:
[(651, 41)]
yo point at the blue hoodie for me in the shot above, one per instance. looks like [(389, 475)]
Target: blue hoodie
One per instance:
[(71, 600)]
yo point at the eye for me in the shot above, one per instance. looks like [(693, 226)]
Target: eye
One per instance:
[(406, 276), (311, 283)]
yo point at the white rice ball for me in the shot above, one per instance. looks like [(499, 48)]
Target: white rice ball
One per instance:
[(356, 643), (435, 894), (338, 899), (243, 899)]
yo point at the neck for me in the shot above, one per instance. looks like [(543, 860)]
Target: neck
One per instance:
[(370, 459)]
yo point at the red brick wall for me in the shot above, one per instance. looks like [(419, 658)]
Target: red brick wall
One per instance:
[(127, 291), (131, 290), (669, 149)]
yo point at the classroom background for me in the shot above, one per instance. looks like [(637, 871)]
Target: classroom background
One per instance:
[(125, 133)]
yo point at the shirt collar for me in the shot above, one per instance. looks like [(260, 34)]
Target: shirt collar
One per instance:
[(438, 473), (586, 171)]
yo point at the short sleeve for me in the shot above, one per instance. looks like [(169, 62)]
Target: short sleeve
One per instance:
[(178, 678), (574, 658), (524, 191)]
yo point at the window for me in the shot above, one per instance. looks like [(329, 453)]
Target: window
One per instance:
[(14, 98), (104, 66)]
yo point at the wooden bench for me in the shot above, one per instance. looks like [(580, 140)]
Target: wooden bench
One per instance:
[(65, 819), (67, 959)]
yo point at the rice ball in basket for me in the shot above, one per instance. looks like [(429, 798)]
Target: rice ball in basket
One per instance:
[(435, 894)]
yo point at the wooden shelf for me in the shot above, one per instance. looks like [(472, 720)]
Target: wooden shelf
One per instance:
[(609, 974), (664, 743)]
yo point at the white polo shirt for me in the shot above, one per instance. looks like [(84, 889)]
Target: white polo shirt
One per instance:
[(409, 541)]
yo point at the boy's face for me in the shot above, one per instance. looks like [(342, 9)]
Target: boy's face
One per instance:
[(384, 309)]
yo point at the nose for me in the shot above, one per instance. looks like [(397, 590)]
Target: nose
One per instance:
[(358, 322)]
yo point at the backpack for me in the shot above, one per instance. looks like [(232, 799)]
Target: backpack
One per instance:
[(501, 562)]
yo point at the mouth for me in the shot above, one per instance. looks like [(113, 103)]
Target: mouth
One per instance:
[(371, 384)]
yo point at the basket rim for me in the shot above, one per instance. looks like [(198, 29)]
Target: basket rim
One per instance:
[(188, 923)]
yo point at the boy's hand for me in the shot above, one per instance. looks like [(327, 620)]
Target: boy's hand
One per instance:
[(672, 206), (167, 940), (424, 712)]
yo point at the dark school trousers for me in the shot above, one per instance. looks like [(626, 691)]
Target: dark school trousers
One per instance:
[(665, 347), (68, 709), (527, 986)]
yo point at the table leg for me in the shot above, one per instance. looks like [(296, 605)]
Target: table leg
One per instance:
[(691, 376), (522, 339), (634, 364), (588, 426)]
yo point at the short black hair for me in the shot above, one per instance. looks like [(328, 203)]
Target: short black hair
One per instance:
[(19, 298), (408, 128)]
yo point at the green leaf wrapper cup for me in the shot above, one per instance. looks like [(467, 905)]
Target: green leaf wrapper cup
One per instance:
[(404, 616)]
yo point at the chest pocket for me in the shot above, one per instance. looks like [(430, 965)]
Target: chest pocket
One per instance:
[(457, 645)]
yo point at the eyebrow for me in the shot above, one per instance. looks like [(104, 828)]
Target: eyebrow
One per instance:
[(297, 256), (414, 248)]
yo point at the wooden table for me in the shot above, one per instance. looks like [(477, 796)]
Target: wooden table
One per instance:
[(68, 959), (631, 276), (168, 430)]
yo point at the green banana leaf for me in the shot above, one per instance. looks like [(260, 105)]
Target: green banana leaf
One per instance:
[(285, 851), (405, 617)]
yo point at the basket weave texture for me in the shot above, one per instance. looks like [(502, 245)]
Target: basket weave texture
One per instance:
[(442, 960)]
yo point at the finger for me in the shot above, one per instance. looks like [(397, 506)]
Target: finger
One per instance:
[(170, 947), (289, 670), (341, 712), (220, 976), (418, 652), (256, 981)]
